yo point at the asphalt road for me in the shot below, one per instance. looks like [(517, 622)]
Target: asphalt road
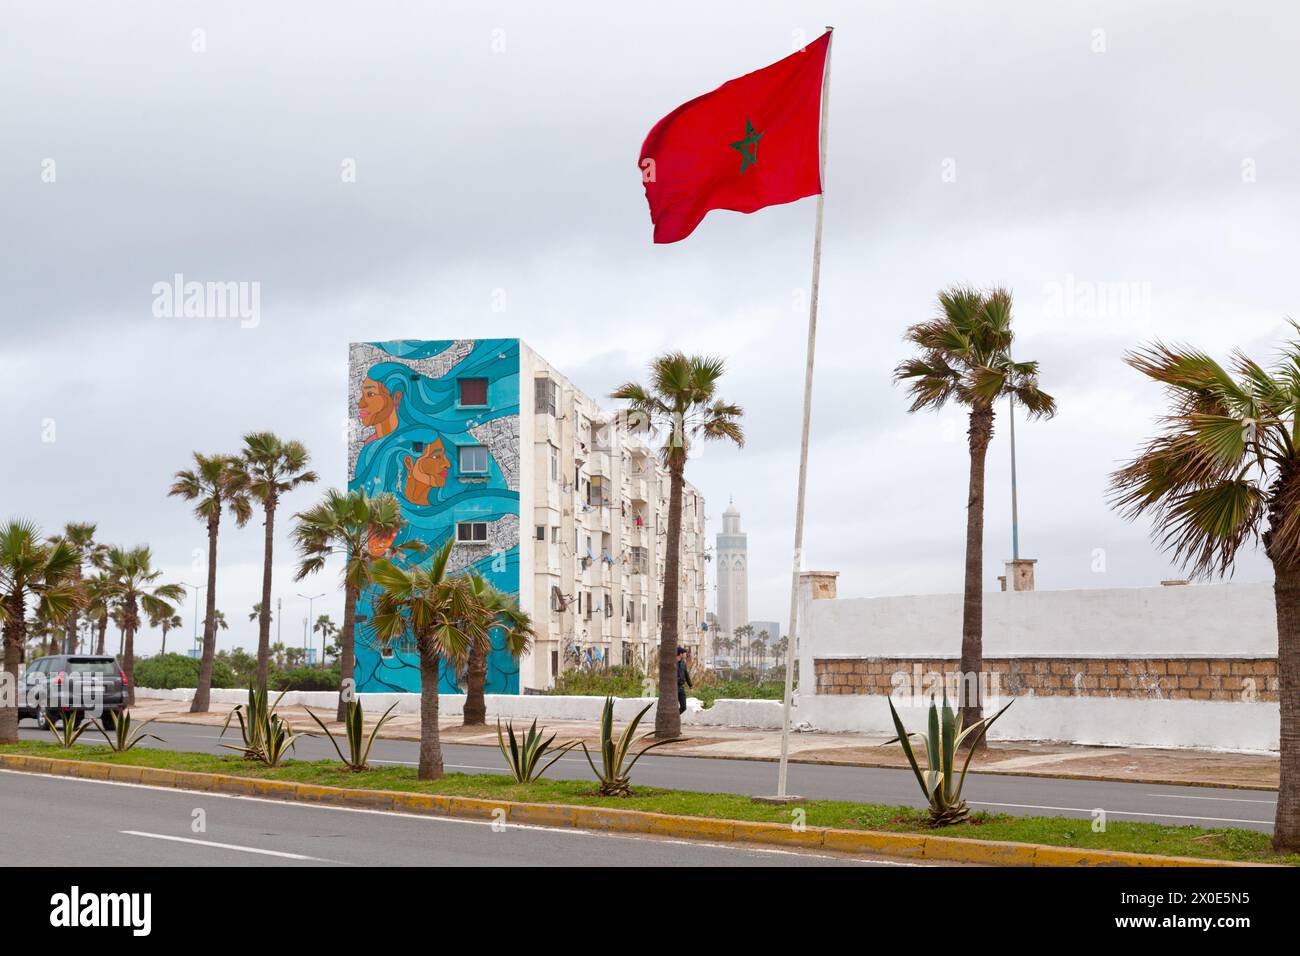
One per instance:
[(1026, 796), (60, 821)]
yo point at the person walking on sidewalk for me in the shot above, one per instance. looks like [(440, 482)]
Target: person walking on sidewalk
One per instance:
[(683, 680)]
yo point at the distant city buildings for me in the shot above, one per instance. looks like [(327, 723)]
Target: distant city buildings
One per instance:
[(771, 628)]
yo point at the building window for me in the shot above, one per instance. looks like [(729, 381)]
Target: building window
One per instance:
[(555, 534), (557, 599), (541, 532), (596, 491), (473, 391), (471, 532), (473, 460), (544, 397), (555, 463)]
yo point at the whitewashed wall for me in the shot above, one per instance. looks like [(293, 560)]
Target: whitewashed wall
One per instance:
[(1221, 620)]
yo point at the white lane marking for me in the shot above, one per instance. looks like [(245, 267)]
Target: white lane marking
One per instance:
[(225, 846), (429, 818), (1116, 813), (1182, 796)]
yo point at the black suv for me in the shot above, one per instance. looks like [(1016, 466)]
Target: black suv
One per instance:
[(60, 685)]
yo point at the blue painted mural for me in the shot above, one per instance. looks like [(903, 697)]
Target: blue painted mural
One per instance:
[(439, 428)]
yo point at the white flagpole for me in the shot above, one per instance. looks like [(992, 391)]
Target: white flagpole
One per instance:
[(792, 634)]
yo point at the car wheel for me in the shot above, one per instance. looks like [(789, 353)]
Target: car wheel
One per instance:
[(40, 717), (110, 719)]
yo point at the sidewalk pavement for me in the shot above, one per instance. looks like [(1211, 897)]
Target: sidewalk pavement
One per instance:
[(1123, 764)]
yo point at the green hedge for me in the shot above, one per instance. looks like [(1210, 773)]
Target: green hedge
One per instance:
[(304, 678), (170, 671)]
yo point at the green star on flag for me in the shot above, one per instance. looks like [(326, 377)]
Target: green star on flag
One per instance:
[(748, 147)]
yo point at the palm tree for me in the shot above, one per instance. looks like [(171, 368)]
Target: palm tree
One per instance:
[(326, 628), (118, 614), (1224, 472), (80, 536), (135, 587), (30, 568), (443, 613), (95, 589), (681, 403), (256, 612), (356, 528), (273, 468), (966, 358), (215, 482), (501, 611), (166, 622), (218, 621)]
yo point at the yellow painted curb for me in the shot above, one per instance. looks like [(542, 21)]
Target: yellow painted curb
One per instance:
[(480, 809), (952, 849), (872, 841), (690, 828), (544, 814), (780, 833), (987, 852)]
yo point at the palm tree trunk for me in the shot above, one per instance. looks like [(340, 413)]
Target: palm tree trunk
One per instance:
[(972, 617), (668, 722), (13, 642), (128, 658), (203, 692), (1286, 597), (430, 745), (73, 618), (103, 633), (347, 655), (475, 679), (163, 650), (264, 619)]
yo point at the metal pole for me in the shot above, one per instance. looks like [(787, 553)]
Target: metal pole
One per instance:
[(1015, 513), (197, 588), (306, 625), (803, 443)]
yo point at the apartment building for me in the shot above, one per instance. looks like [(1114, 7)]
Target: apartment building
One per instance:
[(545, 493)]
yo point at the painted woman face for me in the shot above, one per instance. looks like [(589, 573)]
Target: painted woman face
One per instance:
[(377, 406)]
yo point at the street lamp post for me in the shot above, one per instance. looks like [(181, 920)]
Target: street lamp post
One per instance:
[(306, 630), (197, 588)]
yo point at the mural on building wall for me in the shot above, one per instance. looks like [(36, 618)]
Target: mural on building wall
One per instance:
[(437, 424)]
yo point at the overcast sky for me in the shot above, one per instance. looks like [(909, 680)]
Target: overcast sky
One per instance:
[(1063, 150)]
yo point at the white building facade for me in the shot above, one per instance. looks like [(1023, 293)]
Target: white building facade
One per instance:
[(594, 510)]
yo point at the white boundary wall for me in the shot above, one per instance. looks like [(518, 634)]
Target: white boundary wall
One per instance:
[(765, 714), (1221, 620)]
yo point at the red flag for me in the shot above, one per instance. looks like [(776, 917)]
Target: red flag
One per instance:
[(755, 141)]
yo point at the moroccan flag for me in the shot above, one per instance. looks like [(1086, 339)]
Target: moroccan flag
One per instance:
[(752, 142)]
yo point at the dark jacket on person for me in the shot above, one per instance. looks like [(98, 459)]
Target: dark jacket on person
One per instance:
[(683, 675)]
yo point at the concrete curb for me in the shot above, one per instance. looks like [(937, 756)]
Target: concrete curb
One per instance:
[(910, 845)]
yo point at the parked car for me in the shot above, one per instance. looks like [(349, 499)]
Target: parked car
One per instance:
[(62, 684)]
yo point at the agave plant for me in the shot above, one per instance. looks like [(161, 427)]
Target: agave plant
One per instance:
[(945, 734), (358, 743), (68, 729), (267, 737), (613, 776), (523, 756), (124, 738)]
